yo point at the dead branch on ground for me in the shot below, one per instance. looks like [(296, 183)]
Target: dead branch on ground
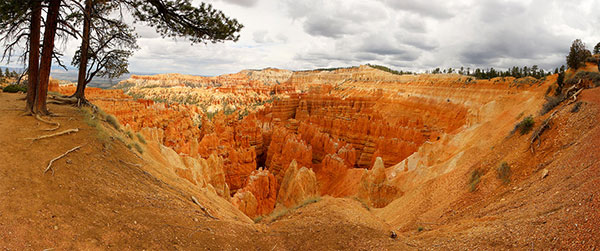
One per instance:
[(59, 157), (55, 134), (203, 208), (538, 133)]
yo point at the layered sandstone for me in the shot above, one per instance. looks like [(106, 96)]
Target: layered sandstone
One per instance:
[(259, 195), (334, 125), (298, 185), (374, 188)]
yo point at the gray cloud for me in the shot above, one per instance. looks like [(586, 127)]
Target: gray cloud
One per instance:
[(437, 9), (325, 26), (245, 3), (511, 33)]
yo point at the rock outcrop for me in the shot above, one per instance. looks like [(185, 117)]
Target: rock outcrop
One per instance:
[(298, 185), (374, 188), (259, 195)]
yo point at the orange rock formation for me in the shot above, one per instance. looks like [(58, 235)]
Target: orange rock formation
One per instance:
[(254, 125)]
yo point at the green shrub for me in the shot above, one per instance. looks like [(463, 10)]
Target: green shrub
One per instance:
[(141, 138), (15, 88), (551, 102), (504, 172), (258, 219), (138, 148), (129, 134), (113, 122), (526, 125), (420, 229), (585, 76), (576, 107), (210, 115), (474, 180)]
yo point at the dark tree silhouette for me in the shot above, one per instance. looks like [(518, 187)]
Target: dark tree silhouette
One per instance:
[(577, 55), (115, 42)]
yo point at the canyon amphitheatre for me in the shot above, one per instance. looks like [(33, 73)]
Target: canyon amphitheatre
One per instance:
[(272, 159)]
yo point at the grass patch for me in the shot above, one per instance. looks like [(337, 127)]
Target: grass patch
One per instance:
[(94, 121), (475, 179), (278, 214), (113, 122), (138, 148), (504, 172), (363, 203), (308, 202), (576, 107), (140, 138)]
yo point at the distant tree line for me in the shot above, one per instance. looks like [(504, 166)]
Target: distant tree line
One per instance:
[(387, 69), (9, 74), (517, 72)]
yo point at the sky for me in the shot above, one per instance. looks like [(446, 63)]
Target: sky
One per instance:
[(410, 35)]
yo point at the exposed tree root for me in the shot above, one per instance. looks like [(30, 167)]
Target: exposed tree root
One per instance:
[(203, 208), (538, 133), (72, 100), (575, 96), (59, 157), (48, 122), (55, 134)]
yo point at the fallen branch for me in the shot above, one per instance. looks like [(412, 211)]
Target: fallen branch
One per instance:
[(56, 134), (203, 208), (538, 133), (59, 157), (48, 122)]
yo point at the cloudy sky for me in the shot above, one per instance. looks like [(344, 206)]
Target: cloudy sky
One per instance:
[(403, 34)]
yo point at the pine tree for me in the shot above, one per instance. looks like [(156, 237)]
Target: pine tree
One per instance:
[(577, 54), (597, 48)]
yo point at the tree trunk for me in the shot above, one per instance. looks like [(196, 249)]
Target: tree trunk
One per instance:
[(85, 45), (34, 54), (46, 61)]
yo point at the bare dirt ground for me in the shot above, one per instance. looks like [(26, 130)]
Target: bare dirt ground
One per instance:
[(98, 198)]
